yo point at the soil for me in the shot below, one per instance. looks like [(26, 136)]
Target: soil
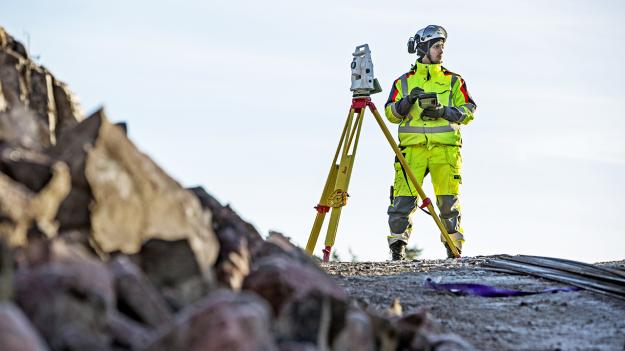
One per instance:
[(578, 320)]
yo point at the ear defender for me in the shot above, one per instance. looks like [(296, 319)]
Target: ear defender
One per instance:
[(411, 45)]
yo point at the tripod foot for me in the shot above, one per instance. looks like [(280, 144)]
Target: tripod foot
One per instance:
[(326, 253)]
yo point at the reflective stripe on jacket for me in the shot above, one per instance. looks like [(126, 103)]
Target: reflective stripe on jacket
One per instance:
[(451, 91)]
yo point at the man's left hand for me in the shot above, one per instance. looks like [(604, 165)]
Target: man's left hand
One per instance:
[(432, 113)]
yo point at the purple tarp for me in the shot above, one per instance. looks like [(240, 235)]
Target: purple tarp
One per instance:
[(489, 291)]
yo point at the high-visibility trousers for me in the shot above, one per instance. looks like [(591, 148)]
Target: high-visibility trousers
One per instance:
[(443, 163)]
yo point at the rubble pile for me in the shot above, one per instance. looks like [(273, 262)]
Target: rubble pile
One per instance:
[(100, 249)]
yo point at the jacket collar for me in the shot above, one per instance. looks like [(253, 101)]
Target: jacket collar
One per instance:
[(427, 70)]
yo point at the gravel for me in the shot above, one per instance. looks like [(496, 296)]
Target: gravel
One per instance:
[(578, 320)]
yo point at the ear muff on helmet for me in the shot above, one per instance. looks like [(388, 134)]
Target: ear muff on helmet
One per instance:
[(412, 48), (419, 44)]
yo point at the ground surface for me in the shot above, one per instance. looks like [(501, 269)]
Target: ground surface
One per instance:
[(579, 320)]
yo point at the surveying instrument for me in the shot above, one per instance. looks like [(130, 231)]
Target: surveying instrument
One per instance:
[(334, 195)]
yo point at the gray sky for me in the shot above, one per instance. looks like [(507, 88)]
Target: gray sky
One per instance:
[(248, 99)]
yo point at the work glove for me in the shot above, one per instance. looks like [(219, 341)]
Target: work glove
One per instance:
[(414, 95), (433, 113)]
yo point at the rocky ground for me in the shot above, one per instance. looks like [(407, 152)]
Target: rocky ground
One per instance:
[(579, 320)]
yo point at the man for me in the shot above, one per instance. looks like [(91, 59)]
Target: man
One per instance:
[(429, 137)]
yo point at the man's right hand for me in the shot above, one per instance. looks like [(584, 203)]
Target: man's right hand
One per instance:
[(414, 95)]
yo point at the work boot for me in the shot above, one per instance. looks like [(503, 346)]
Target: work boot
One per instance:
[(398, 250)]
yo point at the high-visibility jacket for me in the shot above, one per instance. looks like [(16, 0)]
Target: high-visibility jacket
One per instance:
[(451, 91)]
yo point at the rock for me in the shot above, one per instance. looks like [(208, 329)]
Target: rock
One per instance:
[(313, 317), (234, 261), (7, 42), (278, 244), (26, 86), (238, 240), (358, 333), (410, 331), (20, 127), (279, 279), (224, 217), (137, 298), (16, 331), (224, 320), (68, 110), (172, 269), (68, 299), (130, 199), (31, 168), (6, 271), (21, 208), (126, 333), (297, 346), (14, 89)]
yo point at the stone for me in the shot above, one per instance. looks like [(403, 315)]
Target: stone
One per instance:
[(279, 279), (358, 333), (137, 298), (172, 268), (278, 244), (20, 127), (126, 333), (16, 331), (224, 320), (297, 346), (68, 299), (314, 317), (237, 238), (22, 209), (6, 271), (68, 110), (225, 217), (130, 199), (31, 168), (28, 86), (234, 260)]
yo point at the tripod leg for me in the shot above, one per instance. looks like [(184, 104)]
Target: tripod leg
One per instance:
[(323, 207), (413, 179), (342, 181)]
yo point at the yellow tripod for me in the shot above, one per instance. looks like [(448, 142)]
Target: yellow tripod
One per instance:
[(334, 195)]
